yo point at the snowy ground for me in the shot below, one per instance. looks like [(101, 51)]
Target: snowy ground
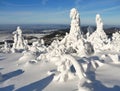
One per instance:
[(34, 77), (5, 36), (109, 75)]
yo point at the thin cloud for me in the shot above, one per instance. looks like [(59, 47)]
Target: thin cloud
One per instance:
[(101, 11), (111, 9), (17, 13), (93, 3)]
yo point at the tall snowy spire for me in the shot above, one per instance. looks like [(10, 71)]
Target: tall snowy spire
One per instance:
[(99, 22), (98, 39), (18, 40), (75, 22)]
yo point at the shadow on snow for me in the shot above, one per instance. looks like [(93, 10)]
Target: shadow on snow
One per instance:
[(8, 76), (37, 86), (11, 74), (8, 88), (97, 85), (2, 58)]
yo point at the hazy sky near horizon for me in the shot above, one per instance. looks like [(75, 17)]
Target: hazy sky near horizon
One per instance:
[(57, 11)]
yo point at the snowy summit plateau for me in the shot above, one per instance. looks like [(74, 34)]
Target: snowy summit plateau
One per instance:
[(77, 62)]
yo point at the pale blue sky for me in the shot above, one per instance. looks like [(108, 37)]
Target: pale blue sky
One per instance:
[(57, 11)]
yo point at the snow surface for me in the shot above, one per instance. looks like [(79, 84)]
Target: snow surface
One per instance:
[(34, 77), (5, 36), (109, 75)]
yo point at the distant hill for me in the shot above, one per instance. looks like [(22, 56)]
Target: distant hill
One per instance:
[(61, 33), (53, 32)]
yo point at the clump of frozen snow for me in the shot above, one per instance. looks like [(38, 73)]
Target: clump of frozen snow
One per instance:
[(98, 38), (63, 67), (37, 46), (75, 23), (74, 41), (99, 23), (27, 56), (115, 42), (6, 47), (19, 43), (33, 48), (22, 45), (114, 57), (64, 71), (96, 63), (30, 56)]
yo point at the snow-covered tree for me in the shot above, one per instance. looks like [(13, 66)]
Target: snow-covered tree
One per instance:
[(18, 40), (98, 39)]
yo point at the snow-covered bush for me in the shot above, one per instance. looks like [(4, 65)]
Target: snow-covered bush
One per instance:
[(6, 47)]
